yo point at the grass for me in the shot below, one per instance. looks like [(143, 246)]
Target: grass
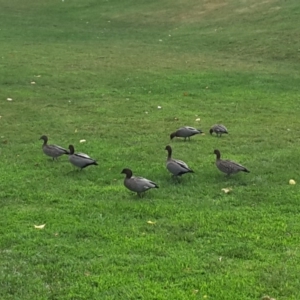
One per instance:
[(98, 67)]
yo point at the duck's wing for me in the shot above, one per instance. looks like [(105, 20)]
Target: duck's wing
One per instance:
[(83, 155), (58, 148), (181, 163), (192, 129), (221, 128), (145, 182), (234, 165)]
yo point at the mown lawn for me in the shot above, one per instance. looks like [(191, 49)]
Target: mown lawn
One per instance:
[(98, 70)]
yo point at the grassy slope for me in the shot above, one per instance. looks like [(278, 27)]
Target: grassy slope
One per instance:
[(102, 66)]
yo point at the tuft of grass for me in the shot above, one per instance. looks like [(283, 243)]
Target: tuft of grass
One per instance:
[(101, 69)]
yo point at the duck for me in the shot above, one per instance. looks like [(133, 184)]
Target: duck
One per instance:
[(53, 151), (185, 132), (80, 160), (175, 166), (219, 129), (137, 184), (227, 166)]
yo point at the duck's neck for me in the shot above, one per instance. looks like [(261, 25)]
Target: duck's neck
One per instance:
[(169, 154), (128, 175)]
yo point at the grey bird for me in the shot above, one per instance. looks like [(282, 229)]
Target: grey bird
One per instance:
[(175, 166), (80, 160), (138, 185), (227, 166), (53, 151), (219, 129), (185, 132)]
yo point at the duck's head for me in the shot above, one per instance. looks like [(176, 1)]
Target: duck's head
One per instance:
[(172, 135), (211, 131), (128, 172), (44, 138)]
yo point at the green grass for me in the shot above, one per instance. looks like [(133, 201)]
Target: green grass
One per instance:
[(99, 66)]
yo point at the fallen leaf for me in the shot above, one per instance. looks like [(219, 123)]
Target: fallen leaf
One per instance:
[(292, 181), (198, 120), (39, 226), (32, 82), (150, 222), (82, 141), (227, 190), (9, 99), (267, 298), (159, 107)]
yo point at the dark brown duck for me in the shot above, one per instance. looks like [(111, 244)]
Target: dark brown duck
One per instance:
[(227, 166)]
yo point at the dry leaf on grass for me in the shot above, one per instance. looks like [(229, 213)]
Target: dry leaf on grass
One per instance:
[(267, 298), (292, 181), (82, 141), (226, 190), (159, 107), (32, 82), (150, 222), (40, 226), (197, 120)]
